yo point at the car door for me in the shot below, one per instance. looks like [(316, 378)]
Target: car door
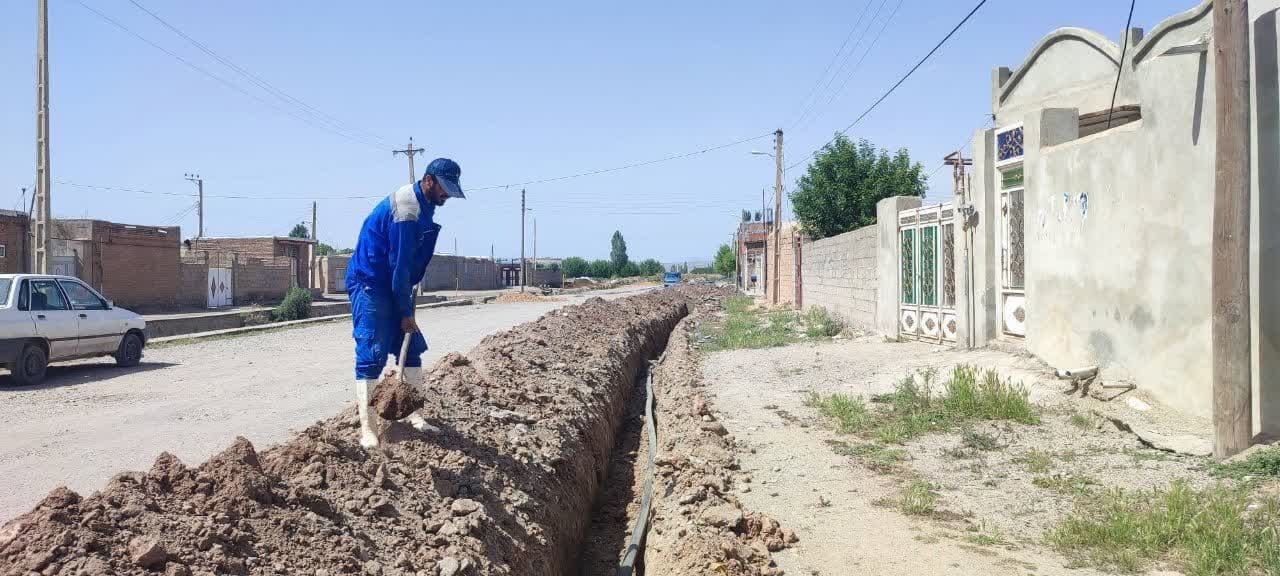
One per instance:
[(99, 330), (55, 321)]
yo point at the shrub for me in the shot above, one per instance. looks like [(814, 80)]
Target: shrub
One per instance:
[(818, 323), (295, 306)]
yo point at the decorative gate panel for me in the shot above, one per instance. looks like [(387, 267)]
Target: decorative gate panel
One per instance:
[(219, 287), (926, 259), (1013, 258)]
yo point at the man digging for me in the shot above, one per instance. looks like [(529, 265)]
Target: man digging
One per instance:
[(391, 256)]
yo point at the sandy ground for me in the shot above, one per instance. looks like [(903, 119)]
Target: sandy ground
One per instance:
[(830, 499), (91, 419)]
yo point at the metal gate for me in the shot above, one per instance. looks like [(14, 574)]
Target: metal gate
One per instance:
[(926, 264), (219, 287), (1013, 258)]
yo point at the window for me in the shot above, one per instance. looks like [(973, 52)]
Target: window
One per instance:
[(24, 298), (45, 295), (81, 297), (5, 285), (3, 251)]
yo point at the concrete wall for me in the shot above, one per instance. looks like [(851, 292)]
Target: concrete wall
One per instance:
[(331, 274), (840, 274), (1122, 280), (782, 269), (446, 272)]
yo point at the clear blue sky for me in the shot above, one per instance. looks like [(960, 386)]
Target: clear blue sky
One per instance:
[(513, 91)]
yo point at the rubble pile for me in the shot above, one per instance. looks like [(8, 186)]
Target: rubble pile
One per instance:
[(526, 423)]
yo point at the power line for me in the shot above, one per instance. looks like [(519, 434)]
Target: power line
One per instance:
[(884, 26), (813, 91), (1120, 68), (899, 82), (263, 84), (224, 81)]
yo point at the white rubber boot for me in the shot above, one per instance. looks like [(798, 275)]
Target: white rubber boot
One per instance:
[(370, 423), (413, 375)]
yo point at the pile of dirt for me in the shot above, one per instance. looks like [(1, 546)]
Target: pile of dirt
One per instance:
[(523, 297), (699, 525), (526, 426)]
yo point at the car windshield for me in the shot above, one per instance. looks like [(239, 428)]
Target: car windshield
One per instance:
[(5, 283)]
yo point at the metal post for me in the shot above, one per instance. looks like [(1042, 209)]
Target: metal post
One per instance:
[(1232, 386), (44, 211)]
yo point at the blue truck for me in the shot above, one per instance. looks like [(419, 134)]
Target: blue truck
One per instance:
[(670, 279)]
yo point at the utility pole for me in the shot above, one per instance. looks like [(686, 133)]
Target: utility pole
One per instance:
[(457, 281), (44, 211), (777, 214), (314, 235), (522, 262), (1232, 386), (410, 151), (535, 251), (199, 203)]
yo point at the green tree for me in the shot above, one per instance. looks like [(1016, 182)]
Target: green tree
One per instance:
[(346, 251), (323, 249), (574, 267), (628, 270), (650, 267), (726, 261), (618, 252), (840, 188), (600, 269), (299, 231)]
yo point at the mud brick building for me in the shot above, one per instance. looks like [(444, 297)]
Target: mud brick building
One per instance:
[(136, 266), (271, 250)]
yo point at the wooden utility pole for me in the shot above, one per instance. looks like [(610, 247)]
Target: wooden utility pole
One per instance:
[(410, 151), (44, 211), (777, 214), (199, 203), (1232, 386), (522, 262)]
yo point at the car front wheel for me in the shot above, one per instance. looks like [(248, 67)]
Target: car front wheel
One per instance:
[(130, 352), (31, 366)]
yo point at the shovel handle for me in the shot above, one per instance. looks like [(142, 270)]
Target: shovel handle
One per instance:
[(404, 351)]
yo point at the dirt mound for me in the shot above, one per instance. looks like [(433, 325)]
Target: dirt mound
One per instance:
[(523, 297), (526, 420), (699, 526)]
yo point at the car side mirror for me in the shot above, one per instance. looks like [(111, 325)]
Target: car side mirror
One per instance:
[(110, 304)]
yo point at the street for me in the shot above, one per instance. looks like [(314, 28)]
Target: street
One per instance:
[(91, 420)]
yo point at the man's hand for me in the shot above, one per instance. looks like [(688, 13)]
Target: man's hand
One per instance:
[(409, 325)]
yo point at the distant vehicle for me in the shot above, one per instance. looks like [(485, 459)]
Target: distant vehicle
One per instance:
[(670, 278), (47, 319)]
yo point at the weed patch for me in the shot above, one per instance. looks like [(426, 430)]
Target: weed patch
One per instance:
[(1265, 462), (1083, 421), (849, 413), (875, 456), (917, 499), (744, 327), (1071, 484), (818, 323), (1218, 530), (1036, 461)]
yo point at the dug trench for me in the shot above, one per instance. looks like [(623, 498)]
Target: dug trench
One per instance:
[(526, 424)]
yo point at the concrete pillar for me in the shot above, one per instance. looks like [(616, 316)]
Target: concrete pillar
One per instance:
[(1265, 276), (985, 246), (887, 261)]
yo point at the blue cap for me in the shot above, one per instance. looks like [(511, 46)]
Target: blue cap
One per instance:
[(447, 172)]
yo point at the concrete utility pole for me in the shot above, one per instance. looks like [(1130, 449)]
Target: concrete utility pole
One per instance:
[(457, 280), (535, 250), (410, 151), (522, 262), (199, 203), (1232, 386), (314, 235), (777, 214), (44, 211)]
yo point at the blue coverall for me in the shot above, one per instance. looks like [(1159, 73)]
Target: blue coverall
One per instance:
[(391, 257)]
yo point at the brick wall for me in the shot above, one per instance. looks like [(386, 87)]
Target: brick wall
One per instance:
[(472, 274), (259, 280), (135, 266), (13, 236), (839, 274), (266, 248), (193, 284)]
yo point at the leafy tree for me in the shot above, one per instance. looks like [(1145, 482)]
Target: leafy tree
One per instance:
[(323, 249), (628, 270), (726, 261), (299, 231), (574, 267), (650, 267), (600, 269), (618, 251), (840, 188), (346, 251), (703, 270)]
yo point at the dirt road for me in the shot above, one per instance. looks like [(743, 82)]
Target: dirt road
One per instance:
[(91, 419)]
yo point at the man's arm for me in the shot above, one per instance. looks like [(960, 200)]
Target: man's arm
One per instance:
[(403, 240)]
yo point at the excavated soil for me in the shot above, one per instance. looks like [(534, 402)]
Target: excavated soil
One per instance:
[(526, 429), (699, 525), (395, 398), (524, 297)]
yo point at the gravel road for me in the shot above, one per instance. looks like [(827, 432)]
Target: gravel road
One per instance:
[(91, 420)]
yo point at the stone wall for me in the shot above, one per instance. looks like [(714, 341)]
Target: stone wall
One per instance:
[(839, 274)]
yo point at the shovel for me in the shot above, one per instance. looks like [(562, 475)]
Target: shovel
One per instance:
[(394, 398)]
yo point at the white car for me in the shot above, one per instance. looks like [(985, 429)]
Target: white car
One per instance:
[(47, 319)]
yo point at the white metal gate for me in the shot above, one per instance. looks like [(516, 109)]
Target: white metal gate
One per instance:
[(219, 293), (1013, 257), (926, 264)]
